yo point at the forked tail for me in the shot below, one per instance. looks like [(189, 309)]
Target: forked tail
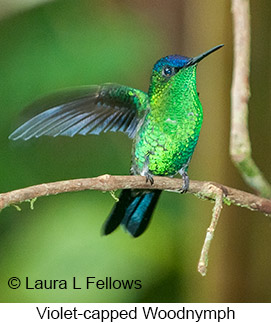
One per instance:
[(133, 210)]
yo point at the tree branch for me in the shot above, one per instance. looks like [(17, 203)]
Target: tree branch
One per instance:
[(204, 190), (240, 147), (203, 261)]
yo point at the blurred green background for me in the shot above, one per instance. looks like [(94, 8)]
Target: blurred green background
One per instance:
[(67, 43)]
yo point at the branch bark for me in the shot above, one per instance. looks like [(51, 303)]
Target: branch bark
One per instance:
[(240, 147), (204, 190), (203, 261)]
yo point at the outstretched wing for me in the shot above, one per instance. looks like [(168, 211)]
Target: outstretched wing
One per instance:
[(86, 110)]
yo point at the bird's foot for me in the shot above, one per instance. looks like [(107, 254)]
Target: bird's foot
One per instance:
[(149, 178), (146, 171), (185, 185)]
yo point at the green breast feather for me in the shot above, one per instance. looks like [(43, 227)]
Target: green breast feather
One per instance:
[(166, 141)]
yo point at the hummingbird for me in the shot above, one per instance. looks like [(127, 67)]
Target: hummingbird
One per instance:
[(164, 123)]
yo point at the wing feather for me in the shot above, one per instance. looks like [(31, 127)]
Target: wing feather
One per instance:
[(91, 110)]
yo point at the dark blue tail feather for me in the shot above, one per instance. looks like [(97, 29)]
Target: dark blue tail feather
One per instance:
[(133, 211)]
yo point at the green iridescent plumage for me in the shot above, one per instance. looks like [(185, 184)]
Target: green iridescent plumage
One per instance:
[(171, 127), (165, 124)]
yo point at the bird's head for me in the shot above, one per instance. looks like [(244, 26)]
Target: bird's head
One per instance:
[(175, 69)]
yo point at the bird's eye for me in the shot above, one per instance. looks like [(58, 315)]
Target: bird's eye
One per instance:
[(168, 71)]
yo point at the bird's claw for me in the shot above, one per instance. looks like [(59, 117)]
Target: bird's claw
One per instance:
[(185, 185), (149, 178), (183, 190), (146, 171)]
